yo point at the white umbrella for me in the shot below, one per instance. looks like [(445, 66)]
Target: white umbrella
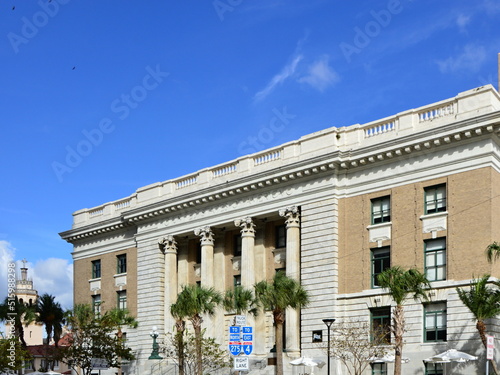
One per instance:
[(306, 361), (451, 355), (388, 358)]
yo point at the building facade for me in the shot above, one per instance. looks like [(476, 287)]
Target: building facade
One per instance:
[(332, 209)]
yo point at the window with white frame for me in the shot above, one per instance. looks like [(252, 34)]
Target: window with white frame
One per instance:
[(435, 259), (121, 297), (381, 260), (379, 369)]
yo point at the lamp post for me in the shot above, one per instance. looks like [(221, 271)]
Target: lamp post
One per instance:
[(154, 354), (328, 323)]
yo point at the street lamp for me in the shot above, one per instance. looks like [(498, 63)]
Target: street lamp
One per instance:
[(154, 354), (328, 323)]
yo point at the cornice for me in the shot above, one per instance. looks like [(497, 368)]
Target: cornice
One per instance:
[(404, 146)]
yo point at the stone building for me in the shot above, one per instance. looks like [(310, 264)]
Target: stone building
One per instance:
[(333, 209)]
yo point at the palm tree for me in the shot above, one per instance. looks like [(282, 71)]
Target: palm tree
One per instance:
[(493, 251), (277, 295), (19, 313), (50, 313), (240, 300), (400, 285), (177, 312), (192, 302), (119, 318), (484, 303)]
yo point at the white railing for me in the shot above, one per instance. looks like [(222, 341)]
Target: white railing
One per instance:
[(186, 182), (437, 112), (267, 157), (97, 212), (380, 128), (122, 204), (222, 171)]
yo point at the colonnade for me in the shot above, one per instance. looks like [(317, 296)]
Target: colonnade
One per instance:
[(176, 272)]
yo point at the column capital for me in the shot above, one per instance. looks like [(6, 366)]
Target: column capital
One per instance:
[(206, 235), (292, 215), (247, 226), (168, 244)]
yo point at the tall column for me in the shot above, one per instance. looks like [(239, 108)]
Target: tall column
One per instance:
[(207, 256), (292, 222), (247, 251), (169, 248)]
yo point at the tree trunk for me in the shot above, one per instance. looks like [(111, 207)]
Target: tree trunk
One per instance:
[(398, 330), (180, 325), (481, 328), (197, 320), (279, 319)]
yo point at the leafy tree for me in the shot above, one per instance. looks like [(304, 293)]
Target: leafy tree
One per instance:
[(240, 300), (215, 358), (12, 355), (18, 314), (483, 302), (193, 302), (50, 313), (355, 344), (92, 337), (280, 293), (401, 284), (493, 251), (119, 318)]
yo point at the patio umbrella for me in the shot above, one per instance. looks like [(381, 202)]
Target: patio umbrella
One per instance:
[(451, 355), (388, 358), (306, 361)]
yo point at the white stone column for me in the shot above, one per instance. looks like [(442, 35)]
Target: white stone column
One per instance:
[(292, 222), (207, 256), (169, 248), (247, 251)]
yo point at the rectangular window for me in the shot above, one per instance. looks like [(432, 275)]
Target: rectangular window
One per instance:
[(280, 236), (122, 299), (381, 324), (435, 322), (237, 245), (96, 269), (381, 260), (435, 259), (381, 210), (434, 369), (121, 263), (435, 199), (236, 280), (379, 369), (96, 304)]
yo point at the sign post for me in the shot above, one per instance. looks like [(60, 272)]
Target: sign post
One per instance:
[(490, 349)]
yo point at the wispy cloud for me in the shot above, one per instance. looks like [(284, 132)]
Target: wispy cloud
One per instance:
[(320, 74), (463, 21), (279, 78), (471, 59)]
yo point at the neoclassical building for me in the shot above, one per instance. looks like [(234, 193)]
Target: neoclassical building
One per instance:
[(332, 209)]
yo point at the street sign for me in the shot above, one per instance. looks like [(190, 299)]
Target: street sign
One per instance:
[(247, 349), (247, 329), (235, 348), (234, 337), (490, 347), (240, 320), (234, 329), (241, 363)]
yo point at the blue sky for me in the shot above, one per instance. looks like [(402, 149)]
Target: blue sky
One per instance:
[(100, 98)]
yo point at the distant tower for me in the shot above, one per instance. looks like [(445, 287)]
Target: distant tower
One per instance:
[(33, 334)]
